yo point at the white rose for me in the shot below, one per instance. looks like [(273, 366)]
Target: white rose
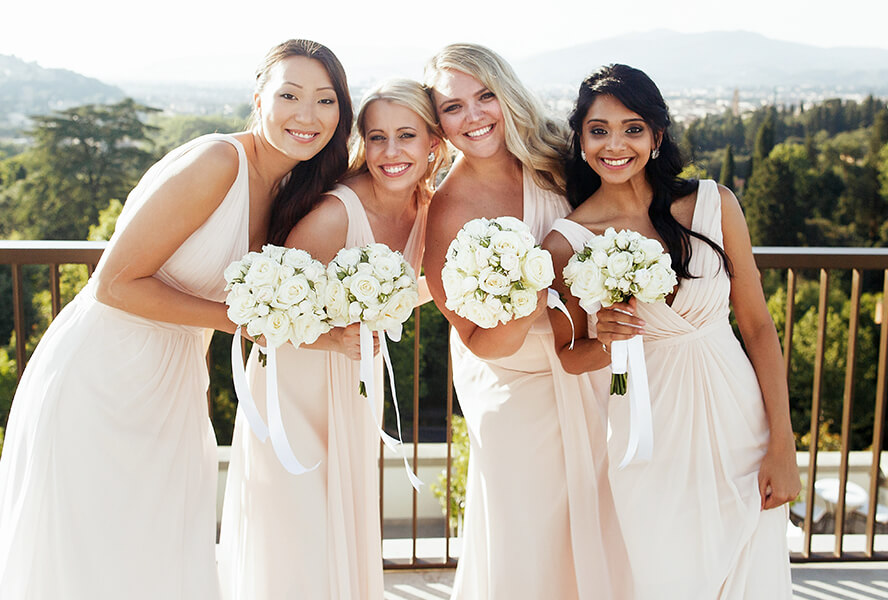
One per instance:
[(241, 308), (599, 257), (662, 281), (483, 256), (277, 328), (365, 288), (476, 228), (336, 300), (263, 271), (493, 282), (512, 223), (348, 257), (264, 294), (296, 258), (523, 302), (399, 307), (510, 262), (452, 281), (291, 291), (465, 261), (469, 285), (537, 268), (306, 329), (479, 313), (618, 264), (588, 283), (387, 267), (507, 242), (273, 252), (354, 312), (234, 273), (256, 326)]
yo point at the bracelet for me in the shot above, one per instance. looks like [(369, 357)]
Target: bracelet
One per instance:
[(604, 347)]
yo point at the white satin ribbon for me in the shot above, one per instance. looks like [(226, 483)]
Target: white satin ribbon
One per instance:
[(369, 380), (627, 356), (275, 428), (553, 300)]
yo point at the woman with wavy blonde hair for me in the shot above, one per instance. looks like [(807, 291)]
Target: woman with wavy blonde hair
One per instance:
[(539, 520), (317, 535)]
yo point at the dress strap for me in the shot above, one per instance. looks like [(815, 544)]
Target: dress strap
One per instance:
[(707, 211), (359, 231), (575, 234)]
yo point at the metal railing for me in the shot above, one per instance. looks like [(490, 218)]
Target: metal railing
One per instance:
[(795, 261)]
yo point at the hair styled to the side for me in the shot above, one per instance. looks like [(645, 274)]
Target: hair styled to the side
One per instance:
[(413, 96), (637, 92), (534, 138), (303, 187)]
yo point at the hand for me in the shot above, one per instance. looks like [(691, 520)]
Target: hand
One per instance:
[(778, 476), (618, 322), (347, 340)]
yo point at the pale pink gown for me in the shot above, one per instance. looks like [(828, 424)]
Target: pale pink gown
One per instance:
[(316, 535), (539, 521), (108, 475), (691, 516)]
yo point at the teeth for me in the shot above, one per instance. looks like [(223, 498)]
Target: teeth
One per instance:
[(395, 169), (479, 132), (303, 136), (615, 162)]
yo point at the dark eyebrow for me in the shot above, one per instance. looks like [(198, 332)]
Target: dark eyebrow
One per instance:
[(624, 121), (328, 87)]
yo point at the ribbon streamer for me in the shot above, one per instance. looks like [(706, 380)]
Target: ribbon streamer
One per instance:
[(415, 481), (245, 400), (627, 356), (553, 300), (275, 428)]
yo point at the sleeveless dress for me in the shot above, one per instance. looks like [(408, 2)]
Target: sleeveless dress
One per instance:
[(539, 518), (108, 475), (691, 516), (315, 535)]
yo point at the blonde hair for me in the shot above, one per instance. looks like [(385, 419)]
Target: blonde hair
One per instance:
[(533, 137), (413, 96)]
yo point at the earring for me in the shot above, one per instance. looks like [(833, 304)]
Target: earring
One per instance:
[(431, 157), (583, 155), (655, 153)]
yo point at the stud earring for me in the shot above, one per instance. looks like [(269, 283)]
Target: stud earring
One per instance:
[(583, 155), (655, 153), (431, 157)]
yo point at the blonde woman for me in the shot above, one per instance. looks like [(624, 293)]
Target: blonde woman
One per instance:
[(317, 535), (539, 519), (108, 476)]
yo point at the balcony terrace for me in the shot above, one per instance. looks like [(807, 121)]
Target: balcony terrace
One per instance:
[(841, 516)]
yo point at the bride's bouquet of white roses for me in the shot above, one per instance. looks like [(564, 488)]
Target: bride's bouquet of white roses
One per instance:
[(493, 271), (279, 294), (376, 287), (612, 268)]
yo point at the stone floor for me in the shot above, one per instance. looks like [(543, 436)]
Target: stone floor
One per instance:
[(811, 581)]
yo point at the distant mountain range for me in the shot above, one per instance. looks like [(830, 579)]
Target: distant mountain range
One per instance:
[(720, 59), (26, 88), (679, 62)]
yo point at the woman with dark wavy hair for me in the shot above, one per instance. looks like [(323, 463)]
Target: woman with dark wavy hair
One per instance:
[(108, 475), (706, 517)]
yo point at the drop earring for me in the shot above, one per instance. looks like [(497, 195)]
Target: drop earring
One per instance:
[(583, 155), (655, 153), (431, 157)]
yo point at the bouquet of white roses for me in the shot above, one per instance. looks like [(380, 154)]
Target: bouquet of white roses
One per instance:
[(376, 287), (612, 268), (493, 271), (277, 294), (372, 285)]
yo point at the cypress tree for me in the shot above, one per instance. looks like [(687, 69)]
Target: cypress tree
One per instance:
[(726, 177)]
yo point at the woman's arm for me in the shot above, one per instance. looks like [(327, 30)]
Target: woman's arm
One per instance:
[(445, 221), (778, 476), (195, 186)]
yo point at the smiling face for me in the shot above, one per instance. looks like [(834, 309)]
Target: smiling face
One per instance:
[(617, 141), (397, 144), (470, 114), (298, 107)]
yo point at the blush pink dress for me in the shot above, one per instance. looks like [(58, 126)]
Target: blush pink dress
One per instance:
[(108, 475), (691, 516), (315, 535), (539, 518)]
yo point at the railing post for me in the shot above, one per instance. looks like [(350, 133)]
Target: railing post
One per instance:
[(878, 425), (18, 315)]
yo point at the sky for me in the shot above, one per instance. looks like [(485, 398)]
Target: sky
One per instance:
[(177, 40)]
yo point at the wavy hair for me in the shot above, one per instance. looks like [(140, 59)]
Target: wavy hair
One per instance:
[(411, 95), (302, 188), (637, 92), (534, 138)]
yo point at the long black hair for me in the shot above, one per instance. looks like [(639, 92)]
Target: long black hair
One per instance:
[(310, 178), (637, 92)]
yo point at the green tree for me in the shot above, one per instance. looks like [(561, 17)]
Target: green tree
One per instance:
[(775, 197), (764, 140), (726, 177)]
